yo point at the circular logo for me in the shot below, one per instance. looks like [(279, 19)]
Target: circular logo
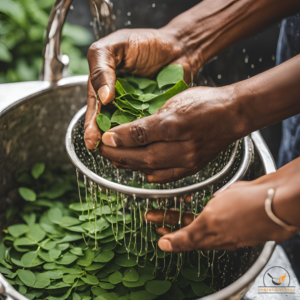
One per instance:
[(276, 277)]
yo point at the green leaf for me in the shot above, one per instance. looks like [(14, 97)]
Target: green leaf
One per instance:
[(17, 230), (90, 279), (101, 224), (104, 257), (126, 86), (75, 296), (106, 285), (192, 273), (87, 259), (28, 258), (115, 278), (27, 194), (27, 277), (54, 274), (169, 75), (24, 241), (200, 289), (141, 82), (58, 285), (68, 221), (37, 170), (77, 251), (36, 233), (176, 292), (95, 266), (145, 295), (54, 254), (97, 291), (158, 287), (67, 259), (131, 275), (160, 100), (141, 282), (108, 296), (42, 280), (55, 215), (103, 122), (81, 207), (5, 54), (70, 278), (124, 261), (120, 117), (70, 237), (14, 10), (119, 88)]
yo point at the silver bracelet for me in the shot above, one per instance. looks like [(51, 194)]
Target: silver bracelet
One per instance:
[(269, 211)]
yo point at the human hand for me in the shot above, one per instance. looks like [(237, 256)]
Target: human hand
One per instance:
[(179, 139), (140, 51), (236, 217)]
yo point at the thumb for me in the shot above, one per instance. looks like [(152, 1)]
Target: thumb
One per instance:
[(102, 71), (178, 241), (138, 133)]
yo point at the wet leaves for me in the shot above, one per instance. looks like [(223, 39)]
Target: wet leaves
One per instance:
[(138, 97), (65, 249)]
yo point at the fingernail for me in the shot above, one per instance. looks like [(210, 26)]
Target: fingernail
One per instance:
[(165, 245), (103, 93), (108, 139)]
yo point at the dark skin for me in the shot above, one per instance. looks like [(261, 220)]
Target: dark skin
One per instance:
[(200, 122)]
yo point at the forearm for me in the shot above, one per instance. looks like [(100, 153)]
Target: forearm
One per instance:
[(214, 25), (269, 97)]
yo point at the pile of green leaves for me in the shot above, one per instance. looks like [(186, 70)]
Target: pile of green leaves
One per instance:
[(56, 247), (22, 33), (138, 97)]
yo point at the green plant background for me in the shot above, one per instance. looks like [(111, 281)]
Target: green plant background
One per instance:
[(22, 34)]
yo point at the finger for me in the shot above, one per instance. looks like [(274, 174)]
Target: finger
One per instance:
[(138, 133), (163, 230), (147, 157), (177, 241), (157, 216), (137, 168), (92, 133), (169, 175), (103, 60)]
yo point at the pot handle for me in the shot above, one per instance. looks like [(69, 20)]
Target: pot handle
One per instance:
[(8, 291), (55, 64)]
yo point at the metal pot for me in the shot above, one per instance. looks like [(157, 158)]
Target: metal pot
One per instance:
[(33, 130)]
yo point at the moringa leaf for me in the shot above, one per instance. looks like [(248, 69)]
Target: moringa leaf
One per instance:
[(37, 170), (169, 75), (131, 275), (104, 257), (115, 277), (27, 194), (17, 230), (140, 282), (103, 122), (126, 86), (200, 289), (160, 100), (145, 295), (158, 287), (27, 277), (42, 280), (119, 117), (87, 258), (126, 261)]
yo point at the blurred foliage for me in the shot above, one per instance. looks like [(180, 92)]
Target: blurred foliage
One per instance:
[(22, 34)]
